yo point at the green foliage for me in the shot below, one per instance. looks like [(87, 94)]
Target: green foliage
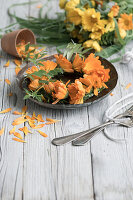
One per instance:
[(73, 48), (107, 38), (33, 94)]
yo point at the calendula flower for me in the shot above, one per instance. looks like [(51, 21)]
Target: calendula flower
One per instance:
[(65, 64), (90, 18), (32, 70), (34, 84), (76, 92), (92, 44), (78, 63), (49, 87), (110, 24), (91, 64), (122, 32), (74, 16), (48, 65), (125, 22), (60, 90), (71, 4), (115, 9), (97, 31), (62, 3)]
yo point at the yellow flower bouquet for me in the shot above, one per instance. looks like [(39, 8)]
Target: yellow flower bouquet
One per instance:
[(103, 25)]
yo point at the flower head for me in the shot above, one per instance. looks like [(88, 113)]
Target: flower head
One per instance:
[(115, 9), (74, 16), (92, 44), (65, 64), (49, 87), (62, 3), (76, 92), (59, 90), (90, 18), (78, 63), (71, 4), (34, 84), (48, 65), (125, 22)]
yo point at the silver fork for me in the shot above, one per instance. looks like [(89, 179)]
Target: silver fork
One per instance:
[(89, 135), (70, 138)]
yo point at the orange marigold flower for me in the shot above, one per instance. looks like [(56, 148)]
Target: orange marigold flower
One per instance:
[(48, 65), (76, 92), (60, 90), (125, 22), (91, 64), (34, 84), (65, 64), (115, 9), (78, 63), (49, 87)]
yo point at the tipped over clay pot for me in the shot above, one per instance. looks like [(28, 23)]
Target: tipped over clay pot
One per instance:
[(10, 40)]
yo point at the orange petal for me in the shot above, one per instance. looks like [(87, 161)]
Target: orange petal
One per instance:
[(18, 140), (2, 131), (33, 116), (6, 110), (39, 6), (111, 94), (18, 135), (12, 130), (10, 94), (24, 109), (7, 64), (39, 118), (17, 113), (32, 125), (42, 133), (39, 126), (24, 129), (17, 62), (128, 85), (7, 81), (19, 120), (47, 123), (17, 69), (52, 120)]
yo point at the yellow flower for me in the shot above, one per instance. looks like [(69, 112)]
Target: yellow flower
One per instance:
[(125, 22), (110, 24), (123, 33), (74, 16), (62, 3), (92, 44), (76, 92), (97, 31), (71, 4), (90, 18)]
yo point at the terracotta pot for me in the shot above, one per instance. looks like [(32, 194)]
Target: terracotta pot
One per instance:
[(10, 40)]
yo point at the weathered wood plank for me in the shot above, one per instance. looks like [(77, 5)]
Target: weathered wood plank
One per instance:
[(112, 162), (11, 152)]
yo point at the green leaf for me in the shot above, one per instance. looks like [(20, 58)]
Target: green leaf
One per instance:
[(27, 47), (122, 42), (26, 97)]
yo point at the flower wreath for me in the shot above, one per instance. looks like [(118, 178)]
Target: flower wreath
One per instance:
[(46, 82)]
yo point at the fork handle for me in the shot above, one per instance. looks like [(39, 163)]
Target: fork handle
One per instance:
[(70, 138)]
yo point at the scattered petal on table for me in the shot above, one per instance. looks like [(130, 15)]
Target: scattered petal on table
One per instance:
[(7, 64), (17, 113), (18, 135), (39, 118), (6, 110), (7, 81), (12, 130), (128, 85), (24, 109), (42, 133), (19, 140), (17, 69), (39, 126), (2, 131), (17, 62)]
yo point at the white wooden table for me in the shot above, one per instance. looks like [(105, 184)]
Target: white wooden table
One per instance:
[(37, 170)]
